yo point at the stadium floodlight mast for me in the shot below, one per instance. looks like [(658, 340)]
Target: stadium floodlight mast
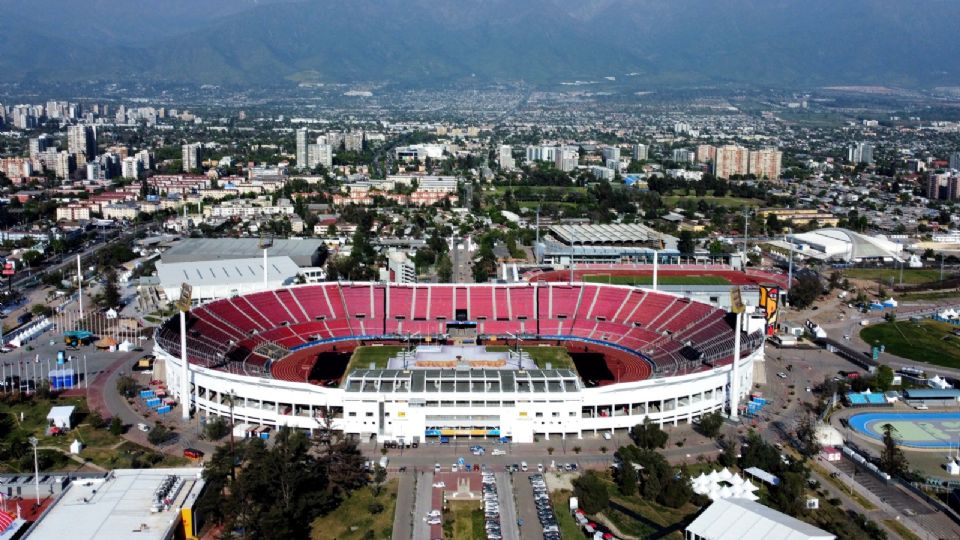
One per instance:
[(80, 285), (518, 339), (36, 468)]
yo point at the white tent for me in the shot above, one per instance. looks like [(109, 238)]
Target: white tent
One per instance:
[(725, 474), (938, 382)]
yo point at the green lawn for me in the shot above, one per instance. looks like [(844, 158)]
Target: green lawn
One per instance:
[(363, 356), (463, 520), (100, 447), (928, 341), (673, 200), (912, 276), (556, 356), (353, 520), (899, 528), (661, 280), (561, 508)]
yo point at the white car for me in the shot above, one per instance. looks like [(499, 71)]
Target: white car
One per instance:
[(499, 452), (782, 375), (440, 485)]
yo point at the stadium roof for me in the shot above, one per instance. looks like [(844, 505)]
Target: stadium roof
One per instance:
[(302, 251), (733, 519), (614, 233), (556, 248), (226, 272), (848, 245), (118, 506), (472, 380)]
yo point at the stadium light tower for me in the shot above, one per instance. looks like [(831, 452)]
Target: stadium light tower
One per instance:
[(746, 224), (790, 263), (265, 244), (80, 285), (36, 468)]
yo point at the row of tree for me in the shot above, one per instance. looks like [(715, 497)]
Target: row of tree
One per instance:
[(276, 492)]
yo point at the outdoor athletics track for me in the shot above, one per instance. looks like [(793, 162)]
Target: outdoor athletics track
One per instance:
[(915, 429)]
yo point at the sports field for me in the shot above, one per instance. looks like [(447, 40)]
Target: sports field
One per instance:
[(378, 355), (914, 429), (927, 341), (911, 276), (661, 280)]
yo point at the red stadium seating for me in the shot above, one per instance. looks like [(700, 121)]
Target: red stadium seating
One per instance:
[(656, 326)]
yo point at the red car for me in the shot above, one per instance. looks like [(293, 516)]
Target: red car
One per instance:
[(192, 453)]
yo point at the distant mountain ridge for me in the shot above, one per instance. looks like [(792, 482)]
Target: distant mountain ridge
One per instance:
[(428, 42)]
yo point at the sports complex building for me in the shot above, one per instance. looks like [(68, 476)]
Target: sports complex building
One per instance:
[(283, 357)]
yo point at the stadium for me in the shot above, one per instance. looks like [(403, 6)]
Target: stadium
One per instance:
[(415, 362)]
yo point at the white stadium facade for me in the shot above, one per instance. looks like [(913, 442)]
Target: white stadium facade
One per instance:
[(275, 358)]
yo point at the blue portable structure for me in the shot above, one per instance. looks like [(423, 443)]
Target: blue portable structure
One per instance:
[(62, 378)]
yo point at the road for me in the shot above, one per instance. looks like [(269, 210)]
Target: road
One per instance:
[(406, 495), (506, 496), (531, 528), (422, 505)]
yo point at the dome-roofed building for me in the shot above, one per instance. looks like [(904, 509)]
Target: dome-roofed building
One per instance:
[(844, 245)]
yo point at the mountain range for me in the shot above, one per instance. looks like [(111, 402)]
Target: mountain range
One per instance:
[(430, 42)]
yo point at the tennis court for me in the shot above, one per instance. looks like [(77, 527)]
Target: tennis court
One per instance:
[(914, 429)]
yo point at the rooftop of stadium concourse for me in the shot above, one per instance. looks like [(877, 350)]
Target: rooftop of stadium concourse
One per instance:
[(614, 233), (302, 251), (456, 380)]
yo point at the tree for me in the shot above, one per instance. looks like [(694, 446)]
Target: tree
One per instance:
[(216, 429), (805, 290), (96, 421), (41, 310), (728, 452), (884, 378), (379, 477), (807, 435), (892, 460), (788, 495), (627, 478), (111, 293), (710, 424), (444, 269), (835, 280), (159, 435), (31, 257), (686, 244), (116, 426), (127, 386), (591, 491), (648, 435)]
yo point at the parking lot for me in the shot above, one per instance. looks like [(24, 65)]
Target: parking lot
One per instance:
[(899, 499)]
